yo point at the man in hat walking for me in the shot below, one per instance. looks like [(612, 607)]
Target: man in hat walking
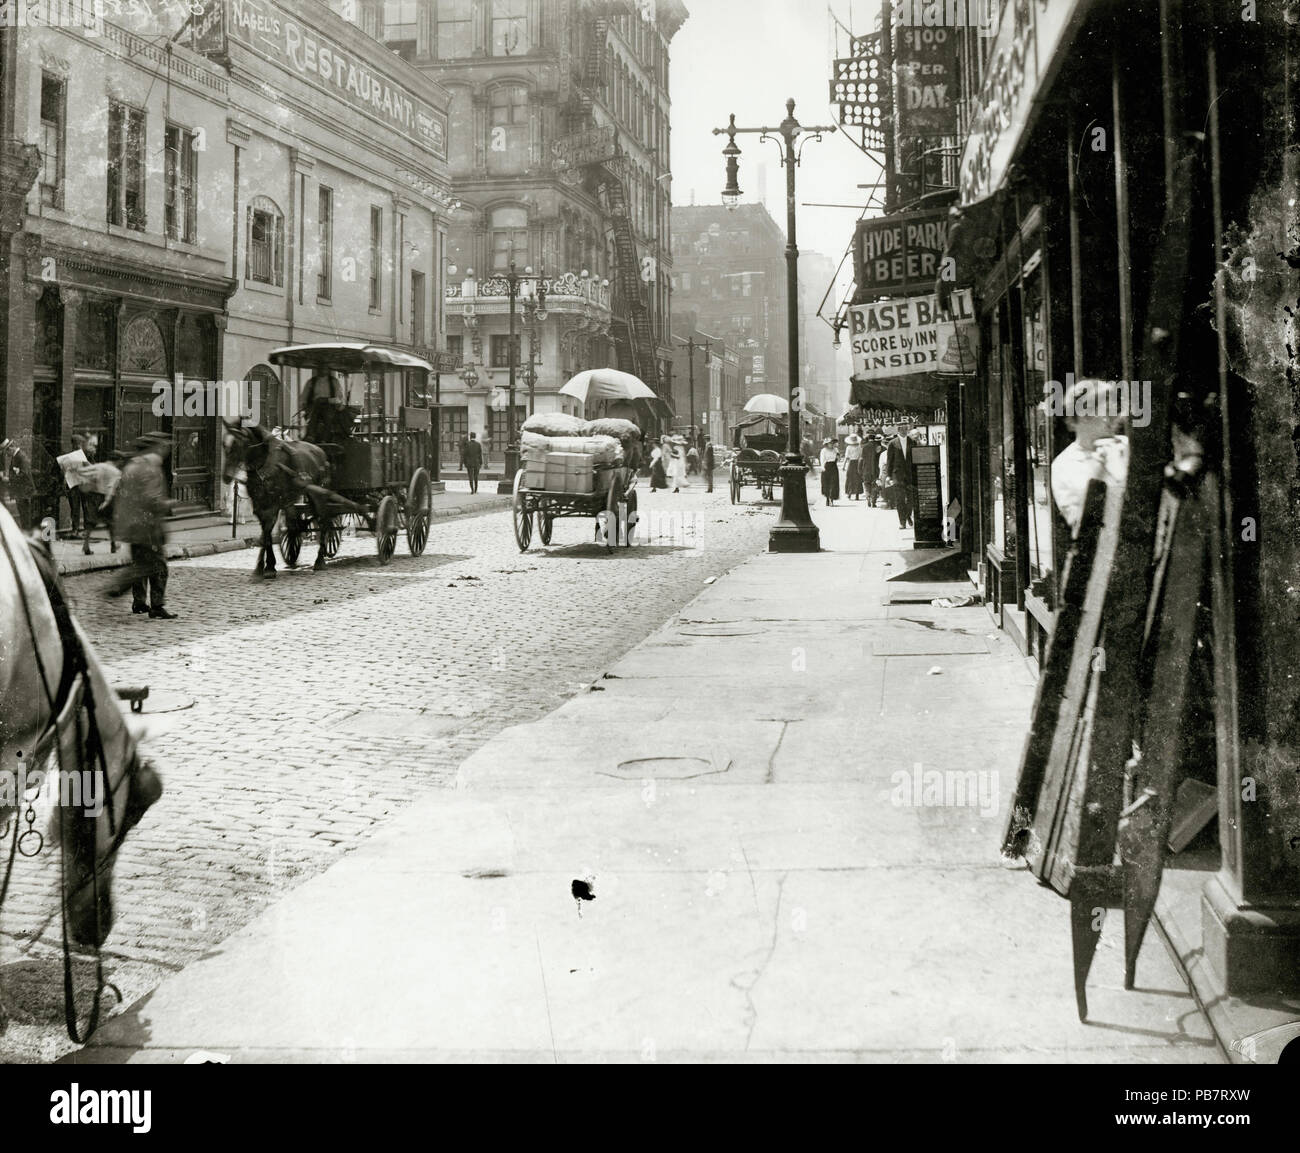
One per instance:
[(898, 467), (140, 510), (471, 460)]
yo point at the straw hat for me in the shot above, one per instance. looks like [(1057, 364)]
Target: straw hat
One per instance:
[(853, 438)]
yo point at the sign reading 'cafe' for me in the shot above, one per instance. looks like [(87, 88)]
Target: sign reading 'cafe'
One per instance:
[(268, 31)]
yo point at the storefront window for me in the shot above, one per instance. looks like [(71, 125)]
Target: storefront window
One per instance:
[(1038, 427)]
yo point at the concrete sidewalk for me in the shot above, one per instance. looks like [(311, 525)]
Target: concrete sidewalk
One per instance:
[(204, 536), (777, 872)]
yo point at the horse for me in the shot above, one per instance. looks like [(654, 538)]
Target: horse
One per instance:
[(62, 730), (277, 473)]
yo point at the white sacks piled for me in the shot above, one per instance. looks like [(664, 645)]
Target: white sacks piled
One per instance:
[(566, 463)]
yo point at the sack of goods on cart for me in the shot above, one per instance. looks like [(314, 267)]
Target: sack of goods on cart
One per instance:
[(561, 453)]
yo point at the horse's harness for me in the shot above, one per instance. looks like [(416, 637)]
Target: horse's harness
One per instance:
[(62, 733)]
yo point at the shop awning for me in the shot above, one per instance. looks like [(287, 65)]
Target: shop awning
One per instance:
[(919, 391)]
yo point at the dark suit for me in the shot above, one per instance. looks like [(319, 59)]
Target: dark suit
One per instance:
[(471, 457), (898, 467)]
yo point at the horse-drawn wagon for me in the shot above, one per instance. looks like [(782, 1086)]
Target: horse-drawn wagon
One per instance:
[(360, 460), (580, 468), (590, 487), (757, 457)]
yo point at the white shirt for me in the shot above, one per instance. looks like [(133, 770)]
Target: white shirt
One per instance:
[(1074, 467)]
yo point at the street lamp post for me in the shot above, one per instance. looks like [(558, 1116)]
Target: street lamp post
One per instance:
[(506, 484), (795, 531), (691, 346), (534, 311)]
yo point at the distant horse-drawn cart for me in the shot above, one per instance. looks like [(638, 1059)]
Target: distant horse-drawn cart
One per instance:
[(757, 458)]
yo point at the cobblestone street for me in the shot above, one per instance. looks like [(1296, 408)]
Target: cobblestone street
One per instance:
[(289, 719)]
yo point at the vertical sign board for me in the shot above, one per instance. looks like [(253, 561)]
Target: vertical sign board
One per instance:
[(925, 65), (928, 486), (1027, 49)]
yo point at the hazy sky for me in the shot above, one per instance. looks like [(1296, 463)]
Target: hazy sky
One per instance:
[(749, 57)]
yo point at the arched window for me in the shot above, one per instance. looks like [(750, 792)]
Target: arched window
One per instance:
[(508, 236), (263, 396), (264, 249), (507, 129)]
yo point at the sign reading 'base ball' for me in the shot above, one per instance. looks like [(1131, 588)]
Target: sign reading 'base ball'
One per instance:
[(911, 334)]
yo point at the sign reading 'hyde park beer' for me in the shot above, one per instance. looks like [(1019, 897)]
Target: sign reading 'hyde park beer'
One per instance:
[(268, 31), (899, 253)]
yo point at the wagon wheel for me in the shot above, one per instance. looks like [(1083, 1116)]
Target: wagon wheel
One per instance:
[(295, 528), (387, 520), (291, 545), (545, 524), (629, 498), (611, 516), (735, 485), (522, 518), (331, 538), (419, 506)]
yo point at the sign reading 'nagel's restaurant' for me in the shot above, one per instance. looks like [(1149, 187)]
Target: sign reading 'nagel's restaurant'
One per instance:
[(266, 30)]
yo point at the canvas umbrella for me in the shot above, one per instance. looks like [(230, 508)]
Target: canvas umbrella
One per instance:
[(607, 384), (767, 404)]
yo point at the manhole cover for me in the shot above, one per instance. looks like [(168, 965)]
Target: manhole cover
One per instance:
[(719, 630), (668, 768)]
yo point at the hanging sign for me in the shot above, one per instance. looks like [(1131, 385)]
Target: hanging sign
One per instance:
[(925, 67), (908, 335), (899, 254), (1023, 57)]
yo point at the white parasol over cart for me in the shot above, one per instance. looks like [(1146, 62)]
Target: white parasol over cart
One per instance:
[(767, 404)]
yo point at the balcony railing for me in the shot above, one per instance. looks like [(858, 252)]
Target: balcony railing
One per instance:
[(560, 290)]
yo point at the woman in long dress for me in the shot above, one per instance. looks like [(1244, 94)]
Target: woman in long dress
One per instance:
[(677, 464), (658, 474), (830, 472), (853, 470)]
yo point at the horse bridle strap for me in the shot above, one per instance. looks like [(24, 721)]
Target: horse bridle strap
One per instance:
[(66, 706)]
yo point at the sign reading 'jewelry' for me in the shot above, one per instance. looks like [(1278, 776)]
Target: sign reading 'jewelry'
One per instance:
[(268, 31)]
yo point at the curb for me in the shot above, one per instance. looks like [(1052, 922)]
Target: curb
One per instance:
[(98, 563)]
